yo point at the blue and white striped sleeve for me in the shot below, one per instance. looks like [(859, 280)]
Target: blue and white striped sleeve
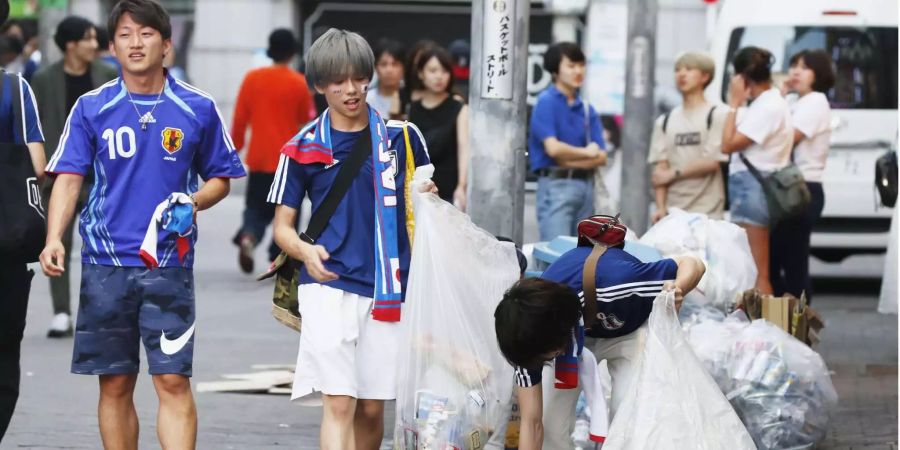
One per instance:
[(289, 186), (31, 126), (76, 149), (527, 377), (419, 147)]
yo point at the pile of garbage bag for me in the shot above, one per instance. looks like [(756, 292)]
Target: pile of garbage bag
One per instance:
[(455, 386), (779, 386), (722, 245)]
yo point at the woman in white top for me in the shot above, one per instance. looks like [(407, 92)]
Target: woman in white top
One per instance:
[(810, 77), (763, 134)]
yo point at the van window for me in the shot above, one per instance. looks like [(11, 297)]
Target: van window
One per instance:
[(865, 59)]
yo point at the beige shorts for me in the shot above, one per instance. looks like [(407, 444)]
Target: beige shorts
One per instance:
[(343, 350)]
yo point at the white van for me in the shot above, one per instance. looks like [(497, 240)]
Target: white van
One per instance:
[(861, 36)]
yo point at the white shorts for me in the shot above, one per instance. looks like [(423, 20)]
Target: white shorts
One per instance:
[(343, 350)]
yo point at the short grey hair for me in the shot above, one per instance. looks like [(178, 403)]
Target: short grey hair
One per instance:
[(338, 55)]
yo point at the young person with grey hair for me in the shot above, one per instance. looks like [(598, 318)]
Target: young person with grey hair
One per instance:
[(686, 147), (353, 276)]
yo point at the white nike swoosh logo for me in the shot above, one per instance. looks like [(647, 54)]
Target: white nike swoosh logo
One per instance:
[(336, 161), (171, 347)]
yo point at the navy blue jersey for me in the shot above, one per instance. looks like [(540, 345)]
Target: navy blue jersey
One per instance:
[(626, 288), (135, 169), (30, 130), (349, 236)]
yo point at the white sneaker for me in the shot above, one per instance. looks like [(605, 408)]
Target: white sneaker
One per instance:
[(60, 326)]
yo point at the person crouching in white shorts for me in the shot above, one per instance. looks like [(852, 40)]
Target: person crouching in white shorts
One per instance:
[(352, 279)]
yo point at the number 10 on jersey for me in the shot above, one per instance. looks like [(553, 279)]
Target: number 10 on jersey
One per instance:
[(117, 144)]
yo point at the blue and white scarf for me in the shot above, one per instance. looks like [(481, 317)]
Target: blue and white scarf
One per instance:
[(313, 145)]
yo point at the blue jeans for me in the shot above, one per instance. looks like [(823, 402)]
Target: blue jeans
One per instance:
[(561, 203), (748, 204)]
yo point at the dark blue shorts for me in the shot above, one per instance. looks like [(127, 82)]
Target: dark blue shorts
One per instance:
[(120, 306)]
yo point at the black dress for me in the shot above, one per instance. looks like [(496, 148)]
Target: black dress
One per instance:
[(438, 126)]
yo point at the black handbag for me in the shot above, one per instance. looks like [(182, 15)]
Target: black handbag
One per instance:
[(23, 226), (886, 178)]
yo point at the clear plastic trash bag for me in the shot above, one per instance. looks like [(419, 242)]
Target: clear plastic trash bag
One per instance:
[(454, 386), (722, 245), (672, 401), (780, 388)]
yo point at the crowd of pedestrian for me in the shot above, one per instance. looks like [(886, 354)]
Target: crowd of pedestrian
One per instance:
[(124, 138)]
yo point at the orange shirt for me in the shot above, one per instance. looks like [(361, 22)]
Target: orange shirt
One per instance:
[(275, 102)]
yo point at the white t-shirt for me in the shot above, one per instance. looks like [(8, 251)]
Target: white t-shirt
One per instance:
[(767, 122), (811, 115)]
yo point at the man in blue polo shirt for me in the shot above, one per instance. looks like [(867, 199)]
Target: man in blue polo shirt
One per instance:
[(565, 145), (540, 320)]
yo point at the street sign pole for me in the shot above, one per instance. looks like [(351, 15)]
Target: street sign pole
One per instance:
[(638, 115), (498, 115)]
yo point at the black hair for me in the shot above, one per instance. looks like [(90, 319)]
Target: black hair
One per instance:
[(4, 10), (554, 55), (282, 45), (411, 75), (443, 57), (754, 63), (535, 318), (71, 29), (391, 47), (10, 44), (820, 63), (102, 38), (148, 13)]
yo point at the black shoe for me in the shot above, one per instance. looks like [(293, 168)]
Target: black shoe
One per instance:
[(245, 255)]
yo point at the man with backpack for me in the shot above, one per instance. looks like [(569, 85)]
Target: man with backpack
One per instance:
[(20, 134), (686, 146)]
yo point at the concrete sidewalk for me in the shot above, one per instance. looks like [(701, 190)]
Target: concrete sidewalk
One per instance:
[(860, 347)]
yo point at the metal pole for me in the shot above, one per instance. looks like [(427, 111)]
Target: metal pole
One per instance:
[(639, 110), (497, 121)]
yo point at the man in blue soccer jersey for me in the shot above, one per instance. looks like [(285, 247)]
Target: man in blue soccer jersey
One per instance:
[(540, 320), (146, 136), (353, 276), (16, 99)]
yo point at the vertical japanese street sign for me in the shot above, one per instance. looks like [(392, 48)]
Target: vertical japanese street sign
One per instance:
[(498, 39)]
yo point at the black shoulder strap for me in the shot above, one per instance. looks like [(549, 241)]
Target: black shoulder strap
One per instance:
[(666, 121), (347, 172), (709, 117), (753, 170)]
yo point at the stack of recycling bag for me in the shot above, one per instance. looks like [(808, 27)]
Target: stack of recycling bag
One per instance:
[(778, 385)]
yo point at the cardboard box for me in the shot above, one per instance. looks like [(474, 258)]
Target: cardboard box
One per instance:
[(778, 311)]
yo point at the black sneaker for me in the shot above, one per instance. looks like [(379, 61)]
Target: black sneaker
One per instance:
[(245, 255)]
